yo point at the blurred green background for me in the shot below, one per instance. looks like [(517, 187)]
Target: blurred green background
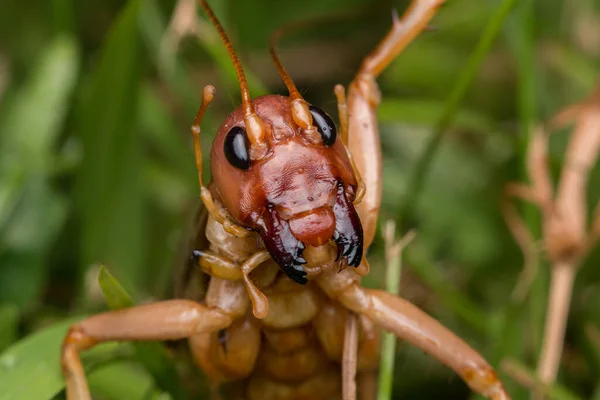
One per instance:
[(96, 167)]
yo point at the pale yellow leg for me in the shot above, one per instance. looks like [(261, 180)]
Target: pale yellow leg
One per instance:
[(340, 94), (215, 265), (349, 362), (219, 214), (260, 304), (168, 320)]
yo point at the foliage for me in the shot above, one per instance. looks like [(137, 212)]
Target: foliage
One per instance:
[(96, 166)]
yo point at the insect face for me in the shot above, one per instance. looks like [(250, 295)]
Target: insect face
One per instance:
[(299, 193)]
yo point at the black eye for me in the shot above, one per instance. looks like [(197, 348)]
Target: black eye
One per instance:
[(236, 148), (324, 125)]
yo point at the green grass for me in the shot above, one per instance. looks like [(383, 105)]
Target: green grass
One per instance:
[(96, 167)]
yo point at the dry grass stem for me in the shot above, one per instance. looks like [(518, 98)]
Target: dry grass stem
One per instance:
[(564, 220), (561, 287), (524, 377), (527, 244), (393, 258), (184, 22)]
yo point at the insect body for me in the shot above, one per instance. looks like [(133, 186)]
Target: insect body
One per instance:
[(291, 209)]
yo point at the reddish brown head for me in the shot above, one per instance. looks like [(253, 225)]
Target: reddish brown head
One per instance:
[(299, 192), (281, 170)]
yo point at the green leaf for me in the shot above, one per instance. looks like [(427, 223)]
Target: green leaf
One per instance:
[(26, 143), (36, 359), (110, 184), (151, 354), (121, 380), (31, 211), (389, 340), (9, 320), (115, 295)]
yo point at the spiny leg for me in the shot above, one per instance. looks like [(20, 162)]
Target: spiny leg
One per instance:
[(220, 214), (404, 30), (216, 265), (168, 320), (363, 100), (226, 269), (340, 94), (410, 323), (349, 361)]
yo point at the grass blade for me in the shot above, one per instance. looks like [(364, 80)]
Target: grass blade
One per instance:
[(151, 354), (393, 256), (453, 102)]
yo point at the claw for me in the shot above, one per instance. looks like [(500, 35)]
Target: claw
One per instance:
[(222, 335), (348, 233), (282, 245), (196, 254)]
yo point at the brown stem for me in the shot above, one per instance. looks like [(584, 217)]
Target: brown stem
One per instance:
[(561, 287)]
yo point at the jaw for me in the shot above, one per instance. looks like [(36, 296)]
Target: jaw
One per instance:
[(285, 239)]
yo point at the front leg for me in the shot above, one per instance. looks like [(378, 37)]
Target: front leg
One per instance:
[(167, 320), (363, 100), (412, 324)]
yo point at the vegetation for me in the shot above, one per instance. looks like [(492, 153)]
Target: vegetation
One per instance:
[(96, 166)]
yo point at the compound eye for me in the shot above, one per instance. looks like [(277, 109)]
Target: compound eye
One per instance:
[(236, 148), (324, 125)]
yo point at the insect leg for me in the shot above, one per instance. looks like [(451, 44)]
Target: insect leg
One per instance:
[(229, 354), (260, 304), (215, 265), (221, 267), (349, 358), (363, 99), (340, 94), (368, 358), (412, 324), (168, 320), (218, 213)]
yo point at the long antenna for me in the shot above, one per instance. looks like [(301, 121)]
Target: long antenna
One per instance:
[(285, 76), (254, 125), (300, 111), (239, 70)]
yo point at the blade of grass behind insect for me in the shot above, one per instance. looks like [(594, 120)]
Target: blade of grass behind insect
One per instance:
[(178, 79), (388, 346), (31, 211), (110, 180), (520, 37), (213, 45), (592, 339), (580, 72), (9, 320), (419, 261), (163, 134), (152, 355), (153, 27), (64, 16), (453, 101), (392, 286), (528, 377), (211, 42), (421, 111)]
